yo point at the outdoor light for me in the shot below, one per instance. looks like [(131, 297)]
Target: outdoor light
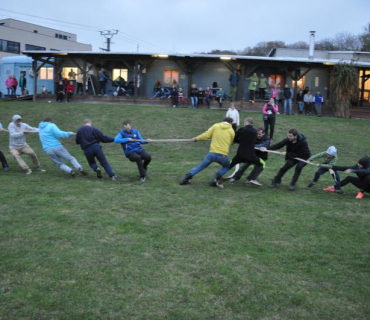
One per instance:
[(163, 56), (225, 58), (328, 63)]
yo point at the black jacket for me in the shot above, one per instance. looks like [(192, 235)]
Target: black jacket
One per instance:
[(88, 135), (361, 173), (263, 142), (246, 137), (299, 149), (287, 93)]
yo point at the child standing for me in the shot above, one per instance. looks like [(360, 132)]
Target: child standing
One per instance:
[(318, 100), (233, 114)]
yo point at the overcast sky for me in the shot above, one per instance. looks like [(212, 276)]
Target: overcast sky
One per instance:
[(187, 26)]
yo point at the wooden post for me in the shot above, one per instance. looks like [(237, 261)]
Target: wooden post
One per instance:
[(362, 88), (84, 66), (240, 93), (34, 69), (135, 82)]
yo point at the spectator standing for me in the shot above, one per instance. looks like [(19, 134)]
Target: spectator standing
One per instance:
[(15, 85), (318, 100), (60, 92), (208, 96), (79, 82), (23, 82), (275, 94), (72, 76), (233, 114), (201, 96), (252, 87), (269, 111), (194, 96), (287, 94), (103, 79), (70, 90), (174, 96), (9, 85), (308, 100), (234, 81), (262, 84), (57, 78), (300, 102)]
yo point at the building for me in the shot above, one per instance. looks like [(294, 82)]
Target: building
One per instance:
[(18, 36)]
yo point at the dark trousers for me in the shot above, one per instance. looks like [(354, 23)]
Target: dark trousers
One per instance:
[(142, 160), (252, 176), (3, 160), (270, 122), (69, 95), (235, 127), (290, 163), (262, 93), (322, 171), (252, 94), (95, 151), (60, 96), (175, 100), (363, 184), (308, 106), (251, 160), (79, 88)]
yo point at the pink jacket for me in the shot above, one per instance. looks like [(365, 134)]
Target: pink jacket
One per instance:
[(9, 83), (275, 109)]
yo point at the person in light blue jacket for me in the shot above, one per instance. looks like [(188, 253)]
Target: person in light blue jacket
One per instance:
[(50, 134)]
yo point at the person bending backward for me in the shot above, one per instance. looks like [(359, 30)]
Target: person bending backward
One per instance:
[(50, 134), (222, 136), (88, 137), (18, 145), (262, 141), (362, 181), (296, 147), (246, 137), (131, 141), (330, 159)]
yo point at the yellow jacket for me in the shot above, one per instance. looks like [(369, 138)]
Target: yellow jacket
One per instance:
[(222, 135)]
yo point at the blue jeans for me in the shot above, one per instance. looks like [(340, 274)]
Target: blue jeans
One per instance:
[(286, 101), (209, 158), (103, 85), (321, 171), (300, 106), (194, 102), (95, 151), (56, 154)]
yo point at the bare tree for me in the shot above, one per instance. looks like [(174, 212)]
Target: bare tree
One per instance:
[(298, 45), (365, 39), (347, 42)]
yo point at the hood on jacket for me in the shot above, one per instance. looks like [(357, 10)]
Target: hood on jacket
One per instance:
[(16, 117), (44, 124), (365, 162), (225, 125)]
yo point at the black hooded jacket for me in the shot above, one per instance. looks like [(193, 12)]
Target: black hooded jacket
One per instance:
[(361, 173), (298, 149)]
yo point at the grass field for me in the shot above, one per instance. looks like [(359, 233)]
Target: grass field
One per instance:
[(82, 248)]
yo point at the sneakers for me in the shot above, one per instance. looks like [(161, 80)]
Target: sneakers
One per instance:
[(330, 189), (113, 178), (312, 183), (143, 179), (6, 169), (98, 173), (291, 187), (83, 172), (248, 182), (232, 181), (273, 184), (41, 170), (216, 183), (255, 182), (185, 180), (72, 174), (340, 191), (28, 171), (360, 195)]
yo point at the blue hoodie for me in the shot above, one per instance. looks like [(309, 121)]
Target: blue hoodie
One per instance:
[(49, 134), (127, 146)]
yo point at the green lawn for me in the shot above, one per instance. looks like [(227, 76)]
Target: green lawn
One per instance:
[(82, 248)]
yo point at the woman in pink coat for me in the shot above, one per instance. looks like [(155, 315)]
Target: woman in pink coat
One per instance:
[(269, 111), (9, 82)]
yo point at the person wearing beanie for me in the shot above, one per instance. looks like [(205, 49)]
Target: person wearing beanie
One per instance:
[(362, 181), (18, 145), (330, 159), (50, 134)]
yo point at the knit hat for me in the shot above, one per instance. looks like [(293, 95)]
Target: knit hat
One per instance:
[(365, 162), (332, 151), (16, 117)]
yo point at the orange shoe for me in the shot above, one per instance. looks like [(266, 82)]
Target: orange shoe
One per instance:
[(331, 189), (360, 195)]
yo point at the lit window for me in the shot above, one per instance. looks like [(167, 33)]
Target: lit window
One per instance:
[(46, 73), (120, 73), (317, 81), (300, 83), (66, 72), (275, 79), (169, 76)]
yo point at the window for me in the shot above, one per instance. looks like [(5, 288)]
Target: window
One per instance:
[(367, 85), (120, 73), (317, 81), (275, 79), (46, 73), (300, 83), (169, 76), (32, 47), (9, 46), (64, 37), (35, 31), (51, 49), (56, 35), (67, 70)]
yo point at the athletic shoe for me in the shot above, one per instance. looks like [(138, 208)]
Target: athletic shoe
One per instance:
[(273, 184), (83, 172), (219, 185), (143, 179), (291, 187), (340, 191), (360, 195), (232, 181), (72, 174), (41, 170), (330, 189), (28, 171), (247, 182), (98, 173), (256, 182), (312, 183), (6, 169), (114, 178)]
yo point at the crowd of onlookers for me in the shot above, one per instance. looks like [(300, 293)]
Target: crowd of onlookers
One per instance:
[(12, 85)]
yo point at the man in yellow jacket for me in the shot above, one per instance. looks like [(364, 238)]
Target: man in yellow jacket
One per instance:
[(222, 135)]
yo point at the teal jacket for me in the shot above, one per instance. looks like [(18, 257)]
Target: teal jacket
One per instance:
[(49, 134)]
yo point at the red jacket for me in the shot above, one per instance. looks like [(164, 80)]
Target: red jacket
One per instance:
[(70, 88)]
